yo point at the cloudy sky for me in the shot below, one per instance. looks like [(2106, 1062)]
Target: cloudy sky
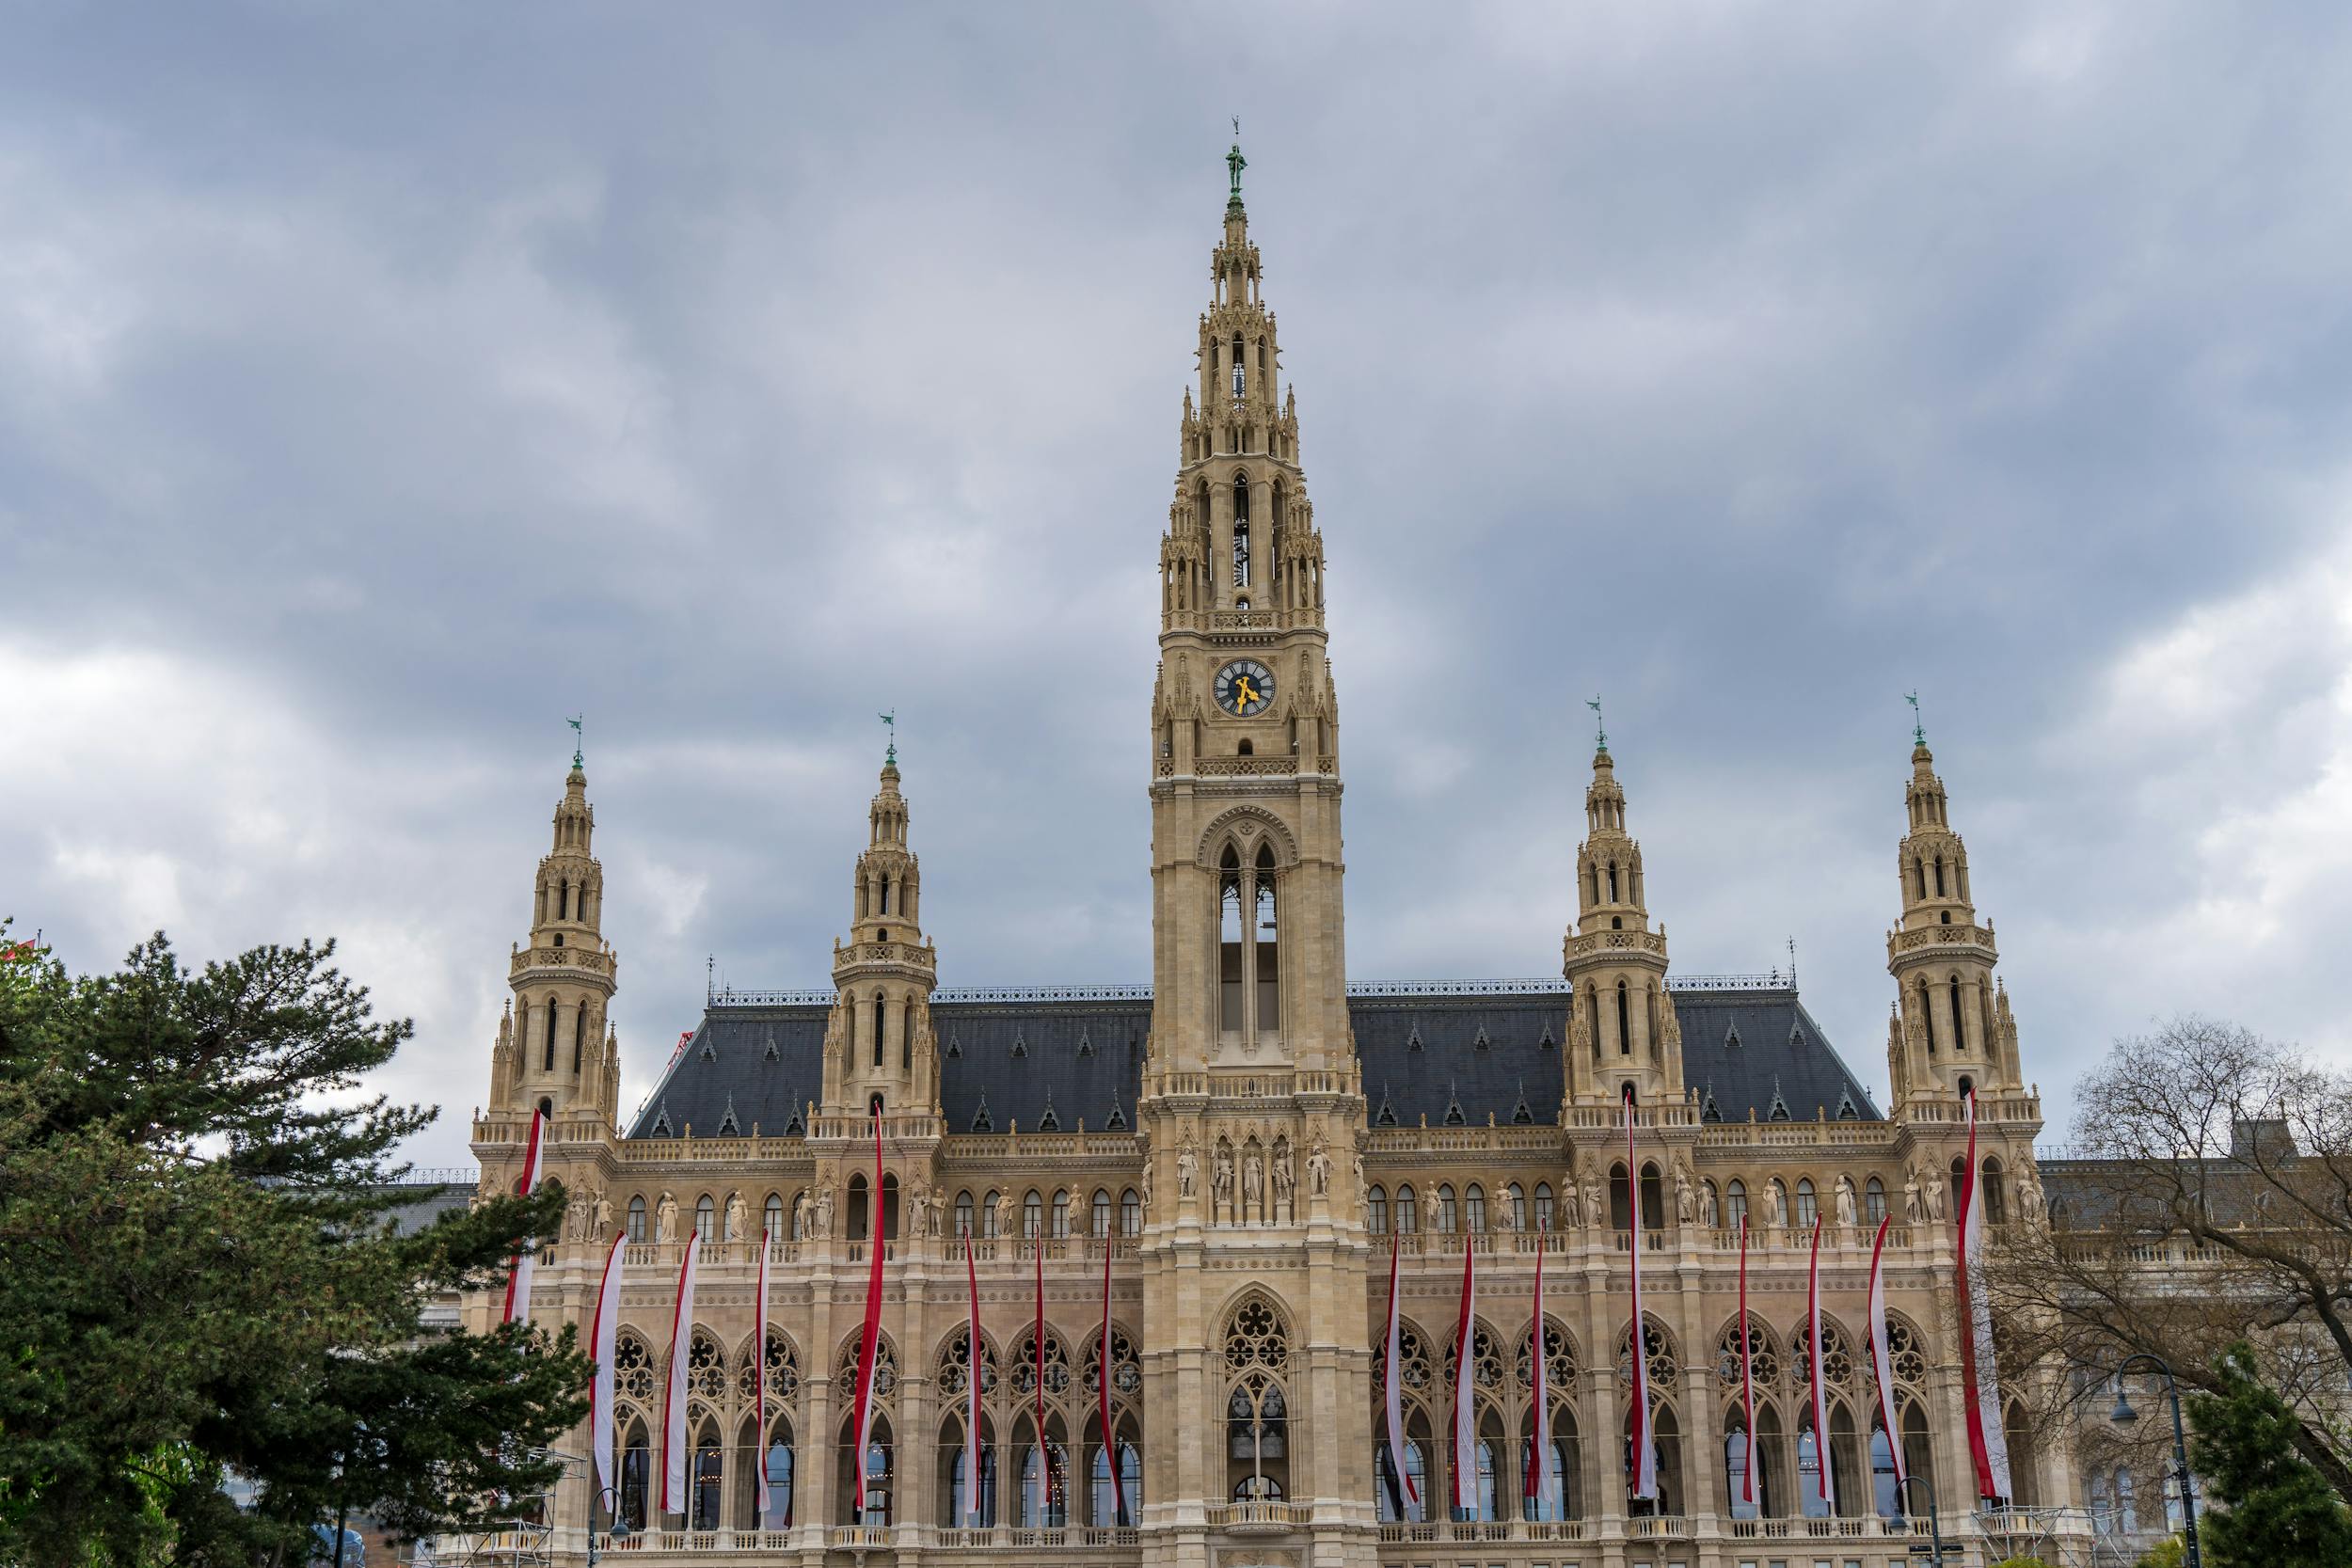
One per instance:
[(380, 386)]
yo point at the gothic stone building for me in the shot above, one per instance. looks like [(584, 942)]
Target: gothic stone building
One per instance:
[(1244, 1137)]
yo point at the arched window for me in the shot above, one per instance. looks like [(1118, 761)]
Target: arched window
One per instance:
[(1653, 1199), (773, 1216), (705, 1212), (964, 1214), (1734, 1203), (1394, 1504), (1810, 1498), (1130, 1214), (890, 1206), (1445, 1215), (1620, 1198), (702, 1485), (1807, 1208), (1625, 1017), (1919, 876), (547, 1062), (1884, 1499), (1228, 941), (1939, 875), (1543, 1206), (580, 1037), (1241, 522), (1101, 1212), (878, 1029), (1257, 1430), (1874, 1200), (1736, 1472), (1103, 1502), (1927, 1018), (1061, 1214), (636, 1475), (1996, 1206), (988, 1214), (1267, 945), (1592, 1006), (1408, 1212), (1044, 1501), (854, 1227), (967, 1513), (1377, 1210), (1474, 1206), (637, 1218), (1032, 1216)]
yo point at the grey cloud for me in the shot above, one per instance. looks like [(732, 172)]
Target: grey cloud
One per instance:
[(408, 380)]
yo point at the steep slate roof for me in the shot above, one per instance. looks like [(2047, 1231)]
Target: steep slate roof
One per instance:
[(1470, 1053)]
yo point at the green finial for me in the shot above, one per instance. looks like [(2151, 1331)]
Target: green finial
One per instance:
[(574, 723), (1600, 731), (891, 719), (1918, 731), (1235, 161)]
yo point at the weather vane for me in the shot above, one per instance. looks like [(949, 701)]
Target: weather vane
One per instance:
[(574, 723), (891, 719), (1918, 731), (1600, 731)]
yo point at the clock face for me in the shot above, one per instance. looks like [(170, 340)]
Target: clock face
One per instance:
[(1245, 688)]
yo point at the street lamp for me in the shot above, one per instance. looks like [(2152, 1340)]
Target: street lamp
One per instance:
[(611, 1512), (1935, 1532), (2124, 1416)]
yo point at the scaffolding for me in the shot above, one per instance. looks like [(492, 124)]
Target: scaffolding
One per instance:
[(525, 1541)]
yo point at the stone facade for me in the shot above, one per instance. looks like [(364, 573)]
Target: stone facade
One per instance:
[(1249, 1141)]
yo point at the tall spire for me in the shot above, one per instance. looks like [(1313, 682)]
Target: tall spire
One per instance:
[(879, 1038), (1954, 1025), (1621, 1025), (558, 1051)]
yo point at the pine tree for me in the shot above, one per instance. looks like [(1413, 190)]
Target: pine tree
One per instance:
[(2271, 1508), (198, 1275)]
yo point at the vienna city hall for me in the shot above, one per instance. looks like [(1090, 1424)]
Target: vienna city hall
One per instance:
[(1241, 1156)]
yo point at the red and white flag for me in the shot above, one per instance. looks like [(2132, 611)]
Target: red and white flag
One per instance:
[(1823, 1487), (972, 1390), (603, 1337), (870, 1342), (1881, 1366), (526, 1255), (673, 1385), (1645, 1453), (1543, 1482), (1408, 1496), (1747, 1372), (1463, 1461), (760, 1377), (1103, 1397), (1988, 1446)]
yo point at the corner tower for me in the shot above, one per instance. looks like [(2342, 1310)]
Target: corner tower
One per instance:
[(1951, 1023), (1621, 1021), (1248, 967), (878, 1040), (556, 1046)]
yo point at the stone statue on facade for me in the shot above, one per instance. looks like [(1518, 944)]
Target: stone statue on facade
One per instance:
[(1571, 1203), (665, 1218), (1147, 1184), (1285, 1177), (1776, 1204), (804, 1215), (735, 1217), (1686, 1200), (939, 1210), (1711, 1210), (1252, 1178), (824, 1209), (1506, 1213), (1004, 1215), (2030, 1204), (600, 1212), (1935, 1196), (1596, 1208), (1221, 1175), (1914, 1210), (1845, 1200), (919, 1204), (1318, 1170), (1188, 1170)]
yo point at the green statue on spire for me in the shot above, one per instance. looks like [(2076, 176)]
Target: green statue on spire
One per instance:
[(890, 756), (574, 723), (1600, 730), (1235, 161), (1918, 731)]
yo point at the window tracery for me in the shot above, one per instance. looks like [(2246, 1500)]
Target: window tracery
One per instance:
[(706, 1368), (1664, 1367), (1763, 1355), (632, 1368), (1126, 1371), (1412, 1363), (1559, 1359), (1056, 1365), (1255, 1336), (886, 1366), (1836, 1355), (1485, 1359), (955, 1365)]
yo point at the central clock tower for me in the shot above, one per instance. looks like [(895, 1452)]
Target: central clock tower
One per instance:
[(1250, 968), (1251, 1107)]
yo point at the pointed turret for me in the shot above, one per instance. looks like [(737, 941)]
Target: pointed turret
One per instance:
[(555, 1048), (1621, 1026), (1952, 1029), (878, 1042)]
